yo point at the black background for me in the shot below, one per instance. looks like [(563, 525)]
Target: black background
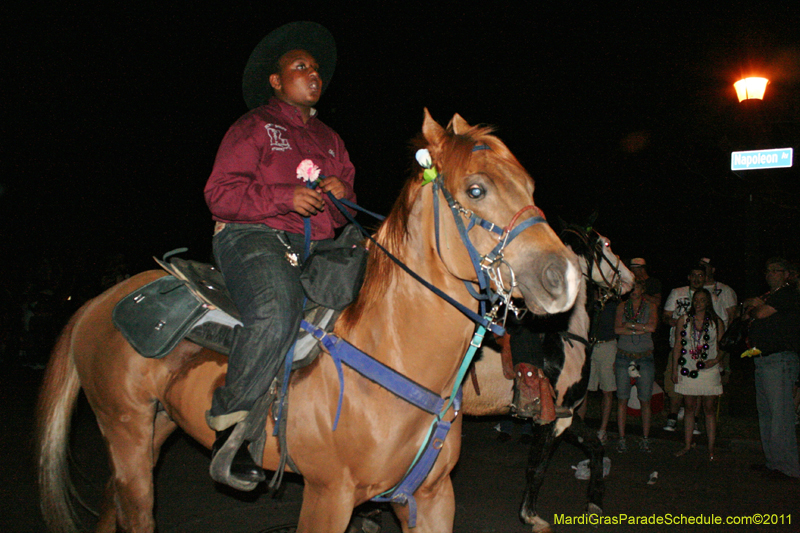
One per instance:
[(113, 114)]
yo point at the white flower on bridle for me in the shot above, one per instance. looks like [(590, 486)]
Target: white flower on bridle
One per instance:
[(425, 161), (424, 158)]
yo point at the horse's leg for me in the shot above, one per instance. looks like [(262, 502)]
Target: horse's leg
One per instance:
[(130, 434), (542, 448), (107, 522), (325, 509), (586, 439)]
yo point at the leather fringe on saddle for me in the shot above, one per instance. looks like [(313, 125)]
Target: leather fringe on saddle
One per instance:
[(533, 394)]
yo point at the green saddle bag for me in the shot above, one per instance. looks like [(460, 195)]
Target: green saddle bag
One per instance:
[(155, 317)]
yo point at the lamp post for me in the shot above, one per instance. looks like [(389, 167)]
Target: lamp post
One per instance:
[(750, 91)]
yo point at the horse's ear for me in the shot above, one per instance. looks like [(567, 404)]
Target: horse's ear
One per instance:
[(459, 125), (432, 131)]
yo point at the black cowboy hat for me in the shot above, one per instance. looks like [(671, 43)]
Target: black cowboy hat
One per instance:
[(302, 35)]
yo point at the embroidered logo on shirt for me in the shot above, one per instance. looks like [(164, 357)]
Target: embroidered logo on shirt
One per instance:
[(333, 154), (276, 140)]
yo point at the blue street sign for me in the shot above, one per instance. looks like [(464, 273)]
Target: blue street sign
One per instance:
[(757, 159)]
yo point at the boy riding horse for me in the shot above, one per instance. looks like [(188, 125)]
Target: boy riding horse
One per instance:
[(262, 206)]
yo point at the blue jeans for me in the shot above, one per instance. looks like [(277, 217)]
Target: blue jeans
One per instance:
[(775, 375), (644, 384), (266, 289)]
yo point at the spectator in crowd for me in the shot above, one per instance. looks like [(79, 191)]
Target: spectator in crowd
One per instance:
[(695, 366), (775, 341), (652, 288), (726, 307), (678, 303), (636, 320), (604, 354), (725, 301)]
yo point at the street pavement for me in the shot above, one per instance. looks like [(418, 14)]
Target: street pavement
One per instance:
[(488, 483)]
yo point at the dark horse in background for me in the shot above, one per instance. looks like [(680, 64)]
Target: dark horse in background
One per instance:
[(563, 353)]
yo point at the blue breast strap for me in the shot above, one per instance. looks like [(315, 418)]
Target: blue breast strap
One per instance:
[(421, 397)]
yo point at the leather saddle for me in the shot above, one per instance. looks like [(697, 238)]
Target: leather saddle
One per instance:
[(193, 303)]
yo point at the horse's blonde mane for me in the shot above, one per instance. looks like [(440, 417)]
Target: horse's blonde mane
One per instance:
[(452, 157)]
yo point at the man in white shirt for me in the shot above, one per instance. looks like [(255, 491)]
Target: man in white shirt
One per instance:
[(723, 297)]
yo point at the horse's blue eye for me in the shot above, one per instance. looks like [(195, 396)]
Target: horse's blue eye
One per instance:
[(475, 192)]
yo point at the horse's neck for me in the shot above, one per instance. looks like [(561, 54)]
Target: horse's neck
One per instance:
[(579, 316), (410, 328), (574, 351)]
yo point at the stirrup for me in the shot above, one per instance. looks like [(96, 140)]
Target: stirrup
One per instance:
[(220, 468)]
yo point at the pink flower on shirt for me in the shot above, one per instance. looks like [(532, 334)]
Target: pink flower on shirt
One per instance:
[(308, 171)]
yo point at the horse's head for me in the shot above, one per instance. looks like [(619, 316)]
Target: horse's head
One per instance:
[(490, 196), (609, 271), (605, 269)]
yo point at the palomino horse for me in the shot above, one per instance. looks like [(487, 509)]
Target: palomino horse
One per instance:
[(138, 402), (566, 365)]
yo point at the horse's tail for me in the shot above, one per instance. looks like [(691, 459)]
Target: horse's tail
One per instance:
[(57, 400)]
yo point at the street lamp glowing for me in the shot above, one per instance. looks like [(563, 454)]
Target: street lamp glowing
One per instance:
[(751, 88)]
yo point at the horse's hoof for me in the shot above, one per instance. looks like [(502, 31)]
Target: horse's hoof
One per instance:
[(592, 508), (540, 526), (526, 517)]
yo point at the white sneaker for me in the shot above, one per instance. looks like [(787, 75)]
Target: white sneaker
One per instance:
[(603, 436), (680, 414), (696, 430), (672, 424), (622, 446)]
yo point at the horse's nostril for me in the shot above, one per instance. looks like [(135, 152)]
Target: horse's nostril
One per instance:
[(553, 280)]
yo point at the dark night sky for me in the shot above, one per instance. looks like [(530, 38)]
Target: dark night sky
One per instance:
[(112, 116)]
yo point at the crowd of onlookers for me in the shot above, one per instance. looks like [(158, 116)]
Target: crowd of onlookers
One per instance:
[(698, 314), (625, 354)]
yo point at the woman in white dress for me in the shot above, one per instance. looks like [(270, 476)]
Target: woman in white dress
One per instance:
[(696, 366)]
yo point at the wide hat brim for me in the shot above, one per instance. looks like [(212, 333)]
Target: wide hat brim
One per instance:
[(302, 35)]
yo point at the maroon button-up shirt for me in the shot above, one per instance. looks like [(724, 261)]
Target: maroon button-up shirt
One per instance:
[(255, 171)]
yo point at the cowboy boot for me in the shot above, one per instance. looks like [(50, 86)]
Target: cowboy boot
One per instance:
[(242, 467), (533, 394)]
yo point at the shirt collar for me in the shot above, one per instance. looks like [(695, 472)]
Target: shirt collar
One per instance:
[(289, 110)]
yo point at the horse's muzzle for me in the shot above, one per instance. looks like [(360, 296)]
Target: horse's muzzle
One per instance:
[(554, 288)]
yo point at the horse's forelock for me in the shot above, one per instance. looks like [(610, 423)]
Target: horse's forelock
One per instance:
[(456, 151)]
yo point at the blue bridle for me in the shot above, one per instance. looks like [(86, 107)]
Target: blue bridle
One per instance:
[(487, 267)]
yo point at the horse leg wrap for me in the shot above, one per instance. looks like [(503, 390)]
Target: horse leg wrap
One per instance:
[(533, 394)]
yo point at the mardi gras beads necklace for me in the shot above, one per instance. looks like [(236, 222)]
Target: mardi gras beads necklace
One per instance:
[(634, 318), (700, 342), (630, 316)]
